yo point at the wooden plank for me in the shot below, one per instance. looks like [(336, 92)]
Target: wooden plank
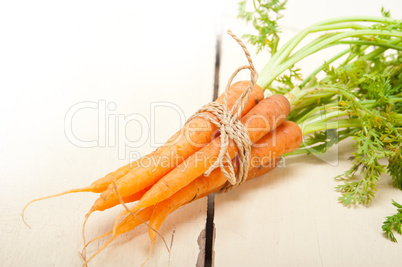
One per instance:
[(291, 216), (125, 77)]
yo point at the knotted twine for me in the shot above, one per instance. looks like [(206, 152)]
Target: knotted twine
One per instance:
[(230, 127)]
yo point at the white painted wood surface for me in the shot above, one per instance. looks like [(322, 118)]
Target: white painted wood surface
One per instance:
[(291, 216), (121, 58)]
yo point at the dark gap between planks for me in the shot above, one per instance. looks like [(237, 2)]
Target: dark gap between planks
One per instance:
[(209, 228)]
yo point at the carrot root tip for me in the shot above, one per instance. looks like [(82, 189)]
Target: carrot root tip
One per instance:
[(84, 250), (149, 254), (25, 222)]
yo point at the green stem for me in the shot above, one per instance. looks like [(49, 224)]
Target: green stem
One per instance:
[(287, 49), (398, 117), (388, 45), (357, 18), (326, 117), (333, 110), (335, 124), (311, 101), (341, 26), (361, 42), (380, 50), (318, 92), (268, 75), (316, 71), (292, 43)]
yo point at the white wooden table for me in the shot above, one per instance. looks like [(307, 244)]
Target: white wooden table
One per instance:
[(87, 86)]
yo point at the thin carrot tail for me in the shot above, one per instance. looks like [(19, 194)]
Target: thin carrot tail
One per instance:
[(150, 253), (84, 250), (94, 239), (117, 222), (161, 236), (76, 190), (99, 250), (113, 233), (133, 215)]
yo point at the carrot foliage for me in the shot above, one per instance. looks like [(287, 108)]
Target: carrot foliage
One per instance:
[(393, 223), (356, 93), (265, 20)]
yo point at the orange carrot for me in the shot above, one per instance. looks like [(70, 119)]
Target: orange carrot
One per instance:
[(158, 213), (199, 188), (176, 153), (128, 199), (263, 118), (102, 184), (265, 156), (194, 135), (110, 204), (284, 139)]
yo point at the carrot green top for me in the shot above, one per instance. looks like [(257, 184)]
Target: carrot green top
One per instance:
[(355, 93)]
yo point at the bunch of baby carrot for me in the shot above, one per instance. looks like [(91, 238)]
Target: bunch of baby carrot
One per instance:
[(158, 190)]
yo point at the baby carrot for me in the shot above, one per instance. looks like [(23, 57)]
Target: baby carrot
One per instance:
[(176, 149), (194, 135), (158, 213), (199, 188), (263, 118), (265, 157), (127, 199)]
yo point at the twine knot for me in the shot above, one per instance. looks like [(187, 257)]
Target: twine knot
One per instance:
[(230, 127)]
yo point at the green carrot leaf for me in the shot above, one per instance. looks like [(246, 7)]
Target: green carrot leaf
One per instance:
[(393, 223)]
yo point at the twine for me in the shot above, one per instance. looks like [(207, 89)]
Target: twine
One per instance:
[(231, 128)]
